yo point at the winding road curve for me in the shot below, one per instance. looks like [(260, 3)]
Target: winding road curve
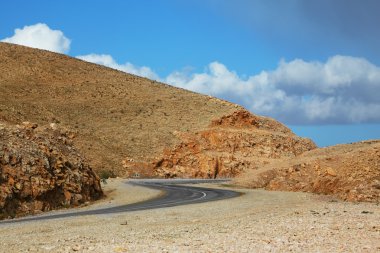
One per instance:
[(175, 194)]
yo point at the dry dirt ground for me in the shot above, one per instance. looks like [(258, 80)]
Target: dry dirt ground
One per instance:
[(258, 221)]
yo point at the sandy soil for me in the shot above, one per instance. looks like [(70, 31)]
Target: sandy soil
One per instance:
[(258, 221)]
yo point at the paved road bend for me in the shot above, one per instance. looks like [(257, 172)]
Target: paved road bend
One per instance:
[(176, 193)]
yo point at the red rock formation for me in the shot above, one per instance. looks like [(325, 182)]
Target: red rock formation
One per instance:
[(232, 144), (40, 170), (243, 119)]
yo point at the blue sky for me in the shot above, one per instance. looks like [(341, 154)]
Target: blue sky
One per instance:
[(313, 65)]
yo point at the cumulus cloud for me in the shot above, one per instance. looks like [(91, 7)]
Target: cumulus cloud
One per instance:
[(107, 60), (40, 36), (341, 90)]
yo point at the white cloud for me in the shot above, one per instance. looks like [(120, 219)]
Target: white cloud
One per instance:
[(107, 60), (42, 37), (342, 90)]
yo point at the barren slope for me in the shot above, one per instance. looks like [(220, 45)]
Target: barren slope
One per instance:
[(350, 172), (116, 115)]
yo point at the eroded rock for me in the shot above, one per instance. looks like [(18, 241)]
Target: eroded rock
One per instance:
[(40, 170), (230, 145)]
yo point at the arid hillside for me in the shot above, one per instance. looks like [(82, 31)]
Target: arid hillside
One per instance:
[(122, 121), (350, 172), (116, 114)]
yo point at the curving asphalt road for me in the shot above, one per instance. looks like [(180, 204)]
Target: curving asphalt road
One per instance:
[(175, 194)]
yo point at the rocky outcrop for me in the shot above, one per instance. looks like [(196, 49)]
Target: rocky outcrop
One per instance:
[(243, 119), (234, 143), (350, 172), (40, 170)]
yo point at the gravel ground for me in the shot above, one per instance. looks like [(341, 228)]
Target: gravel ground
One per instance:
[(258, 221)]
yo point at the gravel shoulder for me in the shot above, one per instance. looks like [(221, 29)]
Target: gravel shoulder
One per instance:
[(259, 221)]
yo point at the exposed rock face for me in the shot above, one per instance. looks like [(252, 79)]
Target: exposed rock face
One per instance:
[(232, 144), (242, 119), (350, 172), (40, 170)]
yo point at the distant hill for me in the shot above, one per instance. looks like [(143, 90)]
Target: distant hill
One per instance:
[(122, 121)]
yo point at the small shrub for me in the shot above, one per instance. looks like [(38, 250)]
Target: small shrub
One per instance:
[(105, 174)]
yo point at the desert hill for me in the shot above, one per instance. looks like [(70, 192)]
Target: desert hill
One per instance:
[(128, 124), (349, 171), (116, 114)]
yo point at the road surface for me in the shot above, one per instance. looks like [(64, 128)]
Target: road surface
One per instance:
[(175, 193)]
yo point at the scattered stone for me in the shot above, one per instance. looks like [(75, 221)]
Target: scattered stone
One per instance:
[(314, 212), (76, 248), (331, 172)]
